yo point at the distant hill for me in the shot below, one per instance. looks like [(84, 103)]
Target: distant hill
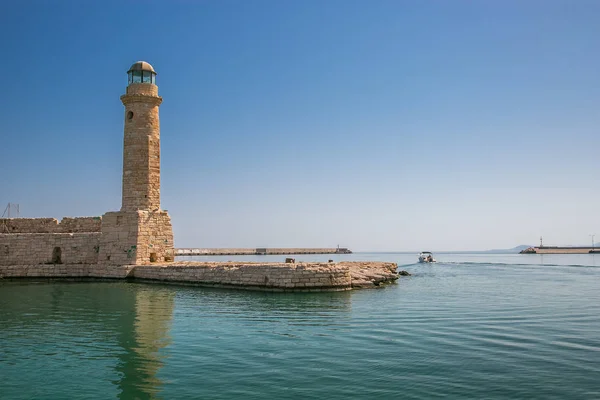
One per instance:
[(514, 250)]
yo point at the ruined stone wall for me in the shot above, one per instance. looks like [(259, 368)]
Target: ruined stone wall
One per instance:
[(50, 225), (42, 248)]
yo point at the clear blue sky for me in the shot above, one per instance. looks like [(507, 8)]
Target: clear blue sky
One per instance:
[(376, 125)]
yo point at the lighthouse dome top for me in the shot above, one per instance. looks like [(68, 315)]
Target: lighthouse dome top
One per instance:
[(141, 66), (141, 72)]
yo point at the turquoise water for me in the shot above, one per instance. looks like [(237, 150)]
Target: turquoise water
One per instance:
[(471, 326)]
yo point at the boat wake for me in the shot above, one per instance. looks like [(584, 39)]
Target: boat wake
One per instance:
[(491, 264), (407, 265)]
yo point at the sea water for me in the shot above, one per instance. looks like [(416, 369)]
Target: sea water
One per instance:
[(470, 326)]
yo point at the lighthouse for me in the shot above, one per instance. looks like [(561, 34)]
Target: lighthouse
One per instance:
[(141, 144), (141, 232)]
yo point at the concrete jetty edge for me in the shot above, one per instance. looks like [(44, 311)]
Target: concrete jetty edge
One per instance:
[(183, 252)]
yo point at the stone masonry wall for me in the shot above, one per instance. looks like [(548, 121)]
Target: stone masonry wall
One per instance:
[(155, 237), (256, 276), (304, 276), (138, 237), (67, 271), (141, 148), (249, 276), (50, 225), (118, 243), (80, 224), (42, 248)]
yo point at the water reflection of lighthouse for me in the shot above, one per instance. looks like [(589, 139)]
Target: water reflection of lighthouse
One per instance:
[(143, 339)]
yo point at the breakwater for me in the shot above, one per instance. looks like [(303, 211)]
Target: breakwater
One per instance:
[(251, 276), (559, 250), (258, 251)]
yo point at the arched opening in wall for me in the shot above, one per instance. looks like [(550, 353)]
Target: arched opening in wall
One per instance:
[(153, 257), (130, 115), (57, 255)]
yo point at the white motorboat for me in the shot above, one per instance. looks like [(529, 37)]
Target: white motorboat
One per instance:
[(426, 257)]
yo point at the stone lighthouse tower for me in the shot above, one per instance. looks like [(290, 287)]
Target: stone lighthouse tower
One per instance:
[(141, 232), (141, 147)]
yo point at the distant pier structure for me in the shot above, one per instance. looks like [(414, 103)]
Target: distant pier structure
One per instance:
[(559, 250), (259, 251)]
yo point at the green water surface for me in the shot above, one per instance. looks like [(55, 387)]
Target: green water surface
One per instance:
[(471, 326)]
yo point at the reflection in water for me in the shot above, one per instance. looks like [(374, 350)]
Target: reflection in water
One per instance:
[(111, 338), (85, 334), (314, 308), (144, 333)]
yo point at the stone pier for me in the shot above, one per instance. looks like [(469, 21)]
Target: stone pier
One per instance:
[(240, 275)]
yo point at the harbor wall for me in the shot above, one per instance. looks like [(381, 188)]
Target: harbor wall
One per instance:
[(252, 276), (258, 251), (64, 271), (265, 276)]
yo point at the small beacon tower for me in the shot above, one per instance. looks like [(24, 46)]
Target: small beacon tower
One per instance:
[(141, 232)]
